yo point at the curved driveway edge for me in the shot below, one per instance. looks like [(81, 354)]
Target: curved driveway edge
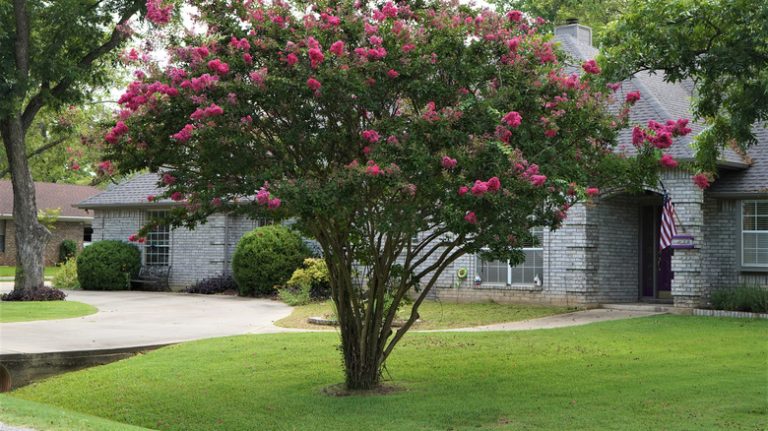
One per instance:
[(132, 318)]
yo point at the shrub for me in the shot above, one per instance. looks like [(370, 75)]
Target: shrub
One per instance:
[(218, 284), (66, 278), (108, 265), (266, 257), (67, 250), (744, 298), (42, 293), (309, 283)]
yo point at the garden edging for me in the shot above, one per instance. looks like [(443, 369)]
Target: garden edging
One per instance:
[(725, 313)]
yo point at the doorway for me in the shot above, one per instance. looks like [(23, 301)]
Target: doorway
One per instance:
[(655, 265)]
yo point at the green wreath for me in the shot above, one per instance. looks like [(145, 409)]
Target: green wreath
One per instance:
[(462, 273)]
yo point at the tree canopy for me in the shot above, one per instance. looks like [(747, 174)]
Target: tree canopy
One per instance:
[(720, 45)]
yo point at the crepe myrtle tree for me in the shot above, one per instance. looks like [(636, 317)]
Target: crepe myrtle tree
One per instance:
[(399, 136)]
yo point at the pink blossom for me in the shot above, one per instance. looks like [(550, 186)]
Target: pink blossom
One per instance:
[(503, 134), (211, 110), (376, 53), (259, 76), (515, 16), (242, 44), (633, 97), (538, 180), (613, 86), (200, 83), (463, 190), (662, 140), (262, 197), (591, 67), (177, 196), (408, 47), (638, 136), (371, 136), (151, 198), (158, 13), (337, 48), (550, 133), (471, 217), (376, 40), (680, 127), (133, 237), (313, 84), (513, 119), (184, 134), (168, 179), (247, 58), (392, 73), (514, 43), (392, 140), (701, 180), (291, 59), (371, 29), (216, 201), (668, 161), (218, 66), (449, 163), (372, 169), (480, 188), (389, 10), (592, 191), (316, 57), (494, 184), (274, 203)]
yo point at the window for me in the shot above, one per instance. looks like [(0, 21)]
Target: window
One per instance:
[(532, 269), (754, 233), (87, 234), (157, 250), (2, 236)]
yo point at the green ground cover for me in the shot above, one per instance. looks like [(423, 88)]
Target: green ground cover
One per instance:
[(10, 271), (25, 311), (437, 315), (660, 373)]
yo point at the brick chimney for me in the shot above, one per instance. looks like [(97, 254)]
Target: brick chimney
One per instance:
[(575, 30)]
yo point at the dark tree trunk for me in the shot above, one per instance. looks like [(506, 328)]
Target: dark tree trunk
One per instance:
[(31, 236)]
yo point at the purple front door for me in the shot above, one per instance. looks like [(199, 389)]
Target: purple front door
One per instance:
[(665, 274), (655, 265)]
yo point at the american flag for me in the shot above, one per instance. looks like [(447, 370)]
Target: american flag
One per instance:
[(668, 229)]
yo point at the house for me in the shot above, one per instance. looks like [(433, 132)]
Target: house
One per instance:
[(607, 250), (192, 255), (57, 200)]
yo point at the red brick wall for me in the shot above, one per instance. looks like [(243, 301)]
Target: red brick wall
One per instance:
[(63, 230)]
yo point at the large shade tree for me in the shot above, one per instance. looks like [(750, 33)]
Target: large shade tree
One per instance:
[(401, 137), (52, 54)]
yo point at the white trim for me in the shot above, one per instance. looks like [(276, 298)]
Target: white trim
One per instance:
[(742, 232)]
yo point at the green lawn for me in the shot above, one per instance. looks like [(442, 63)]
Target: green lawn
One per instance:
[(10, 271), (437, 315), (18, 311), (657, 373)]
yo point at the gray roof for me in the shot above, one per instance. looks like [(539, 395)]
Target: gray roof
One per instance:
[(659, 100), (748, 181), (133, 192)]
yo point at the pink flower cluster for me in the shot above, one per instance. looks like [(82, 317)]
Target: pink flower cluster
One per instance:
[(470, 217), (113, 135), (662, 134), (184, 134), (135, 238), (515, 16), (263, 197), (701, 180), (241, 44), (512, 119), (218, 66), (200, 83), (314, 84), (482, 187), (137, 94), (591, 67), (168, 179), (106, 168), (259, 76), (371, 136), (211, 110), (448, 163), (668, 161), (337, 48), (158, 13), (632, 97)]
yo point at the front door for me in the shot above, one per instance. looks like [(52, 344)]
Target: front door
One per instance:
[(655, 266)]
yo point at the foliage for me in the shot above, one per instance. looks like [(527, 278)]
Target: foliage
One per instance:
[(660, 372), (219, 284), (108, 265), (45, 310), (722, 45), (368, 125), (48, 217), (752, 299), (66, 277), (266, 257), (67, 250), (42, 293), (596, 14), (311, 282)]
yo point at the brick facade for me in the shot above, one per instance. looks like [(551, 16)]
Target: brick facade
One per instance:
[(62, 230)]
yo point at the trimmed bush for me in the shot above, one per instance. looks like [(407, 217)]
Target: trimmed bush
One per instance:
[(66, 278), (311, 282), (108, 265), (266, 257), (42, 293), (209, 286), (752, 299), (67, 250)]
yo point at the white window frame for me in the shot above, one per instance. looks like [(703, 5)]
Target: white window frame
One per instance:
[(510, 268), (159, 230), (744, 232)]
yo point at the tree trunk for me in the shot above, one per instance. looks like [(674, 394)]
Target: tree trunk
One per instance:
[(31, 236), (362, 356)]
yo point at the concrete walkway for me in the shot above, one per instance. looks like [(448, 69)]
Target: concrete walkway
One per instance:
[(127, 319)]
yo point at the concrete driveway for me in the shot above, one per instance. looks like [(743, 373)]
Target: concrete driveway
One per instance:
[(127, 319)]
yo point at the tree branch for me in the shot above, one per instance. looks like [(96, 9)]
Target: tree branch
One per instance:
[(38, 151)]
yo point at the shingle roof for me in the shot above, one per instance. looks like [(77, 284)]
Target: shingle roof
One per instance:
[(659, 101), (749, 181), (132, 192), (50, 196)]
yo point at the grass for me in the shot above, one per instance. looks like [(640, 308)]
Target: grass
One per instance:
[(47, 418), (437, 315), (25, 311), (10, 271), (660, 373)]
